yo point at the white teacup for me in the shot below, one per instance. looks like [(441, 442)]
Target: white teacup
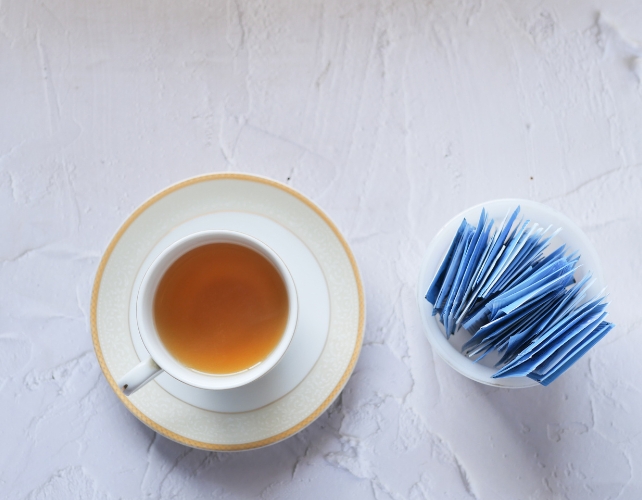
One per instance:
[(160, 359)]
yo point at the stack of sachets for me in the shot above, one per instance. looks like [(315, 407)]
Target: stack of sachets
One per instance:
[(515, 300)]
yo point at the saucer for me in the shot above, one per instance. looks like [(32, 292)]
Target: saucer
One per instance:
[(326, 343), (312, 325), (450, 350)]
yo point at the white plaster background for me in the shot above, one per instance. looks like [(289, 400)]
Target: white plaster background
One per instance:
[(392, 115)]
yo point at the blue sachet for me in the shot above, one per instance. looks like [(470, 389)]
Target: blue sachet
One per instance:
[(577, 353), (452, 271), (543, 346), (438, 281), (461, 269)]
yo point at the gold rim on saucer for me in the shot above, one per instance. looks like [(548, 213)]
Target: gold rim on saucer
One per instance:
[(160, 428)]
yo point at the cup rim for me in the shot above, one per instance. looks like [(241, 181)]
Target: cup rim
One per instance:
[(149, 334)]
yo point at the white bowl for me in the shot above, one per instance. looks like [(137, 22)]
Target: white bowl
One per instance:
[(450, 350)]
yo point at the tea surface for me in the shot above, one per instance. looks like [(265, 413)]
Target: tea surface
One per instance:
[(221, 308)]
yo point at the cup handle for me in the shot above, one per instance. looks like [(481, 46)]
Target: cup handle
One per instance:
[(138, 376)]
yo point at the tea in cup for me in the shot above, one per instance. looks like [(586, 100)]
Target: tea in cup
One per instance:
[(216, 310)]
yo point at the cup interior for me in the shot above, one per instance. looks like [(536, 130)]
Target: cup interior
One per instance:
[(149, 333)]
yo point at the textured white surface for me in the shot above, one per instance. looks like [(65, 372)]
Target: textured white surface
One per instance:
[(392, 115)]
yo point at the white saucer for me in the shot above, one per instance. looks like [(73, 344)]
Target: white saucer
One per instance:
[(450, 350), (312, 325), (327, 341)]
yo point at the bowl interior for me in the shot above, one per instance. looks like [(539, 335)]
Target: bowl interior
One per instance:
[(450, 350)]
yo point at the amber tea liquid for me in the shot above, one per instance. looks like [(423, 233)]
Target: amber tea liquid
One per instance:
[(221, 308)]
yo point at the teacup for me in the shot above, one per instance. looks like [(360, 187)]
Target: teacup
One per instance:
[(161, 359)]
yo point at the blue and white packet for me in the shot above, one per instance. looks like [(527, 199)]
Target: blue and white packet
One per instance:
[(515, 300)]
